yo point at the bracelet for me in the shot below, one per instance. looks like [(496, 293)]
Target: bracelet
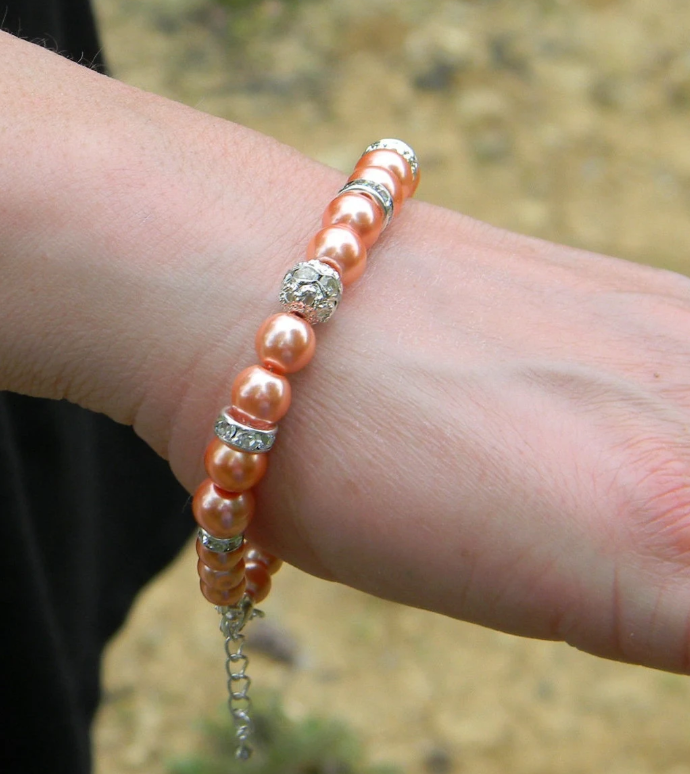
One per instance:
[(234, 574)]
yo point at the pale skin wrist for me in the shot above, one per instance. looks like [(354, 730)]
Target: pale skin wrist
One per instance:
[(119, 208), (493, 427)]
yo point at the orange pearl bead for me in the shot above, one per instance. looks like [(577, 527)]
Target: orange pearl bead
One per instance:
[(255, 555), (393, 162), (223, 580), (285, 343), (358, 212), (224, 597), (231, 469), (341, 248), (260, 394), (383, 177), (250, 421), (223, 561), (222, 514), (258, 581)]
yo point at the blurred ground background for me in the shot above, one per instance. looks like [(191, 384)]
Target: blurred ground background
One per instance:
[(569, 120)]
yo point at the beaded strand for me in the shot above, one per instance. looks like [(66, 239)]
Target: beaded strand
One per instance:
[(234, 574)]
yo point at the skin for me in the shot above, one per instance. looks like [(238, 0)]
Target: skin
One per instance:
[(493, 427)]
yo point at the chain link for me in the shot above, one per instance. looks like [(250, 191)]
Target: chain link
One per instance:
[(232, 622)]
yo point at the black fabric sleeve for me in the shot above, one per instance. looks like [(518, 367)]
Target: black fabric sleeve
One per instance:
[(65, 26), (88, 514)]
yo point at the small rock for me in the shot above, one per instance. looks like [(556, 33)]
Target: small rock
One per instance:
[(485, 114), (482, 106), (438, 761), (491, 145), (437, 53), (507, 53), (273, 641), (439, 77), (679, 83), (438, 42)]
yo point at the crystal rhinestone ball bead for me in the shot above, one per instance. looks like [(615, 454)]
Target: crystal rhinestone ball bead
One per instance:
[(312, 289)]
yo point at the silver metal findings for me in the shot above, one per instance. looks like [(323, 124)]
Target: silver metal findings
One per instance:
[(390, 143), (243, 437), (219, 545), (232, 621)]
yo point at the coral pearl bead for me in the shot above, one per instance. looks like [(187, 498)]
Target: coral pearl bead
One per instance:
[(231, 469), (393, 162), (224, 580), (255, 555), (383, 177), (223, 561), (358, 212), (224, 597), (258, 581), (261, 395), (222, 514), (285, 343), (341, 248)]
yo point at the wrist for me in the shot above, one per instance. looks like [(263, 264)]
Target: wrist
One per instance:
[(135, 244)]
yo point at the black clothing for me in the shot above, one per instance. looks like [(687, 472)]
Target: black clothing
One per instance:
[(66, 26), (88, 514)]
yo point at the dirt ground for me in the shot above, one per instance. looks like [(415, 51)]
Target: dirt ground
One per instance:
[(565, 119)]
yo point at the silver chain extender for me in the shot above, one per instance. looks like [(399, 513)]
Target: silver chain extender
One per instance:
[(232, 622)]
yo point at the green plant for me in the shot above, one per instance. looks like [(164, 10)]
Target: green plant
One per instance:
[(315, 745)]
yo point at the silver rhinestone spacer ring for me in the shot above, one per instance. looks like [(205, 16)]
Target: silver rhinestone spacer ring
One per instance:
[(312, 289), (219, 545), (400, 147), (379, 193), (243, 437)]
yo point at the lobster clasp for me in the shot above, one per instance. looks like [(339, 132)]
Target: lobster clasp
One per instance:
[(234, 618)]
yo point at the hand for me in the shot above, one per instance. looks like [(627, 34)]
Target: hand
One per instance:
[(493, 427), (497, 429)]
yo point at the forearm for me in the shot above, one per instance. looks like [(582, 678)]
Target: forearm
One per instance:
[(493, 427), (115, 205)]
